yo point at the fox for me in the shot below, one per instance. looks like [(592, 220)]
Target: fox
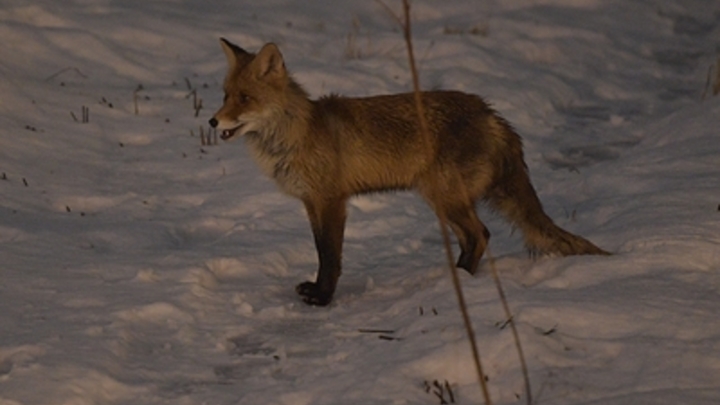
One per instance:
[(325, 151)]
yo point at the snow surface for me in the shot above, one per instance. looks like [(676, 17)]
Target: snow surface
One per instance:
[(139, 267)]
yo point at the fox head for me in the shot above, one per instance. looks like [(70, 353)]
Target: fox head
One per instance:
[(256, 90)]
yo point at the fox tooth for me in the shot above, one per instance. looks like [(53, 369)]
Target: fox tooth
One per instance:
[(227, 134)]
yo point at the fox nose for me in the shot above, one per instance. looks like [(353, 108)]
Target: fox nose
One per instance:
[(213, 122)]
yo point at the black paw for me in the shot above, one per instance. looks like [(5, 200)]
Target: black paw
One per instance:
[(467, 263), (313, 295)]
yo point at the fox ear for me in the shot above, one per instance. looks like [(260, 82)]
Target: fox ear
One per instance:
[(269, 63), (235, 55)]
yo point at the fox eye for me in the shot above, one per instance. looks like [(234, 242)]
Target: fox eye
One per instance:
[(243, 98)]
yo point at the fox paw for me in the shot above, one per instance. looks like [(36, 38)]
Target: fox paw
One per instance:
[(312, 294)]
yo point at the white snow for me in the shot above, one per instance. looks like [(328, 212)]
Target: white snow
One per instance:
[(139, 267)]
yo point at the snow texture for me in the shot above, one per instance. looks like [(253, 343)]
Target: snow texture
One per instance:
[(141, 267)]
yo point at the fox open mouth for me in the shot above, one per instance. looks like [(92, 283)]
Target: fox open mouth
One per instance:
[(229, 133)]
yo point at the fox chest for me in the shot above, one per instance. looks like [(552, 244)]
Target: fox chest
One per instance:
[(276, 162)]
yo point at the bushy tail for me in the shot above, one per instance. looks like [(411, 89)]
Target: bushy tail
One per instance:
[(515, 198)]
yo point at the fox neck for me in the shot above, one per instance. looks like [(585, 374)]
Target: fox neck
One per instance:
[(275, 145), (284, 124)]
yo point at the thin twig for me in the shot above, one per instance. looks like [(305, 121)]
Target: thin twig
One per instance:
[(716, 85), (135, 98), (197, 105), (385, 331), (449, 391), (513, 328), (425, 128), (61, 71), (708, 81), (712, 84), (392, 14)]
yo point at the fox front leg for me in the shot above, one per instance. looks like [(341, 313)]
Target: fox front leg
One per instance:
[(327, 218)]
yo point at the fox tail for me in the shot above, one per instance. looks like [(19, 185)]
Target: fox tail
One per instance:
[(514, 197)]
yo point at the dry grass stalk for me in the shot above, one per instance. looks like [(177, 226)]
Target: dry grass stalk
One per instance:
[(422, 117), (716, 85), (424, 127), (711, 82)]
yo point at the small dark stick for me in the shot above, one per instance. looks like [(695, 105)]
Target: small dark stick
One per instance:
[(550, 331), (424, 129), (439, 392), (386, 337), (449, 391), (198, 106), (385, 331), (135, 98), (716, 85), (506, 323), (197, 102)]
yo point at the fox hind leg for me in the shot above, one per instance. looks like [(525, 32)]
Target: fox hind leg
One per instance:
[(472, 236)]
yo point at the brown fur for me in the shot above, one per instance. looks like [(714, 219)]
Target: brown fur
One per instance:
[(325, 151)]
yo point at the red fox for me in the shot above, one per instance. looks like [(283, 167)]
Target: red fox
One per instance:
[(327, 150)]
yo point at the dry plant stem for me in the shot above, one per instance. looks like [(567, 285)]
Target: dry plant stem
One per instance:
[(708, 82), (716, 85), (424, 127), (712, 85), (463, 310), (135, 98), (511, 321), (61, 71)]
